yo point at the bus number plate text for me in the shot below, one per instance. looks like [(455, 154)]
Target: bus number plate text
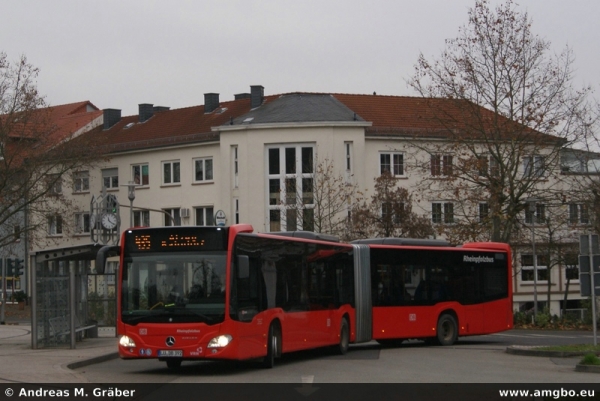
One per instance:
[(170, 352)]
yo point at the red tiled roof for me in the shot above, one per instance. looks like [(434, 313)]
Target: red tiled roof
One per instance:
[(389, 115), (188, 124)]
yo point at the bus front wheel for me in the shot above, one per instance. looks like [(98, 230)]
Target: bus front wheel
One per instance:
[(447, 330), (273, 344)]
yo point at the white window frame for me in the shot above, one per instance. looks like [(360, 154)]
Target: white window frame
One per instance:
[(142, 217), (236, 165), (445, 163), (540, 215), (484, 211), (539, 268), (204, 216), (395, 159), (281, 206), (203, 161), (172, 175), (536, 169), (140, 181), (81, 182), (578, 214), (109, 176), (54, 188), (445, 215), (175, 213), (82, 223), (55, 225)]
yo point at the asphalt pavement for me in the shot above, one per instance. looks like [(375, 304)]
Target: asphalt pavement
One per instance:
[(22, 364)]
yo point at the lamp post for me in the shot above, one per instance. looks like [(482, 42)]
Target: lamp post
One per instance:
[(531, 205), (131, 195)]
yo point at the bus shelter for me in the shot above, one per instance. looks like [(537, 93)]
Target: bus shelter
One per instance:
[(69, 301)]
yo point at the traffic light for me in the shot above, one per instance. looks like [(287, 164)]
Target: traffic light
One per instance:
[(9, 267), (18, 267)]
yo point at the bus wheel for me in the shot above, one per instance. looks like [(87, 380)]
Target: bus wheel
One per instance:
[(344, 337), (173, 363), (447, 330), (273, 344)]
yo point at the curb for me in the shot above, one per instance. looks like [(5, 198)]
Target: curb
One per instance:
[(587, 368), (92, 361), (533, 351)]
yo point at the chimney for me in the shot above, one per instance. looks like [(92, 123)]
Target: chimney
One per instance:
[(257, 93), (146, 110), (156, 109), (111, 117), (211, 102), (239, 96)]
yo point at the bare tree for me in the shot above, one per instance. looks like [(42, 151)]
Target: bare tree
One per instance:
[(35, 158), (506, 107), (389, 213)]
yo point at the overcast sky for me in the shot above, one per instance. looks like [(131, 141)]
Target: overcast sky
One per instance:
[(118, 54)]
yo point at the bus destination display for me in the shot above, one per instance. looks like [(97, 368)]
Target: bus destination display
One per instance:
[(186, 240)]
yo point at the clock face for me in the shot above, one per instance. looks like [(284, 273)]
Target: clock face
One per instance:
[(109, 221)]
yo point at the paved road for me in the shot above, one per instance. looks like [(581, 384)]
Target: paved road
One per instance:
[(479, 359)]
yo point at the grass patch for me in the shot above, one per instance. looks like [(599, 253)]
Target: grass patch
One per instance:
[(593, 349), (590, 359)]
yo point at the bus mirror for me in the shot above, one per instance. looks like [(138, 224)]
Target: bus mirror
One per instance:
[(243, 266), (104, 253)]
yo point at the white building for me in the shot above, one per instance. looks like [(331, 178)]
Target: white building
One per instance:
[(242, 158)]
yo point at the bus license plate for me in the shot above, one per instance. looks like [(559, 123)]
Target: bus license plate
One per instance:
[(170, 352)]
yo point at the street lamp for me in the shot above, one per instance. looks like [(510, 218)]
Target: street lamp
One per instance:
[(531, 206), (131, 195)]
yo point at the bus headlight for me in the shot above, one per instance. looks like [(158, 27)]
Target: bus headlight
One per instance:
[(127, 342), (220, 341)]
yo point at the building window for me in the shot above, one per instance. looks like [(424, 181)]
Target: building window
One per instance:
[(110, 178), (54, 182), (578, 214), (55, 225), (234, 157), (392, 212), (488, 166), (171, 172), (484, 211), (237, 210), (141, 218), (392, 163), (205, 216), (348, 149), (203, 169), (528, 270), (17, 233), (140, 174), (442, 213), (172, 217), (571, 266), (441, 165), (539, 217), (81, 181), (290, 185), (533, 166), (82, 223)]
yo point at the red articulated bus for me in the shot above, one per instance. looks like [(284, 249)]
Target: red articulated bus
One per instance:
[(189, 293)]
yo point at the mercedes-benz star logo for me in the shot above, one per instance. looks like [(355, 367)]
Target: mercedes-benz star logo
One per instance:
[(170, 341)]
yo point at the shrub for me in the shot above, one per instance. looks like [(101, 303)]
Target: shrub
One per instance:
[(590, 359)]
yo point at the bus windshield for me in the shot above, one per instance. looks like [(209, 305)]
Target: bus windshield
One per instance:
[(175, 287)]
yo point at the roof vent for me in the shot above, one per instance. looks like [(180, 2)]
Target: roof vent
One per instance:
[(129, 125)]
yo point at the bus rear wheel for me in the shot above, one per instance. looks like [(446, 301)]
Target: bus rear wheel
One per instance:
[(447, 330), (273, 344)]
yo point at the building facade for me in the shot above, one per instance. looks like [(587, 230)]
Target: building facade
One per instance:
[(252, 160)]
